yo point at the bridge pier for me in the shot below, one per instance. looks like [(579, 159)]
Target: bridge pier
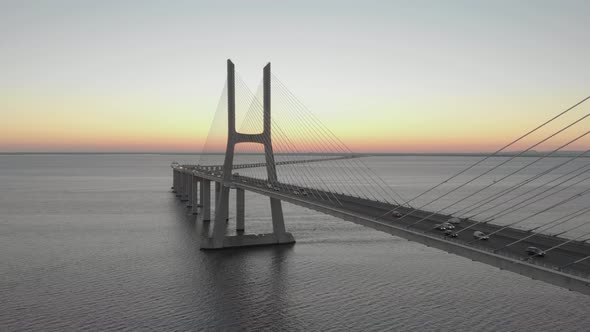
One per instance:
[(194, 194), (202, 190), (185, 187), (179, 191), (217, 191), (189, 190), (222, 209), (206, 199), (177, 187), (240, 210)]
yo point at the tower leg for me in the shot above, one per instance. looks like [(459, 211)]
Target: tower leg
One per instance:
[(220, 226), (217, 191), (240, 209), (278, 223)]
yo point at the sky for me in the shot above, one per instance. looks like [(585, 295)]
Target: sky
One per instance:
[(384, 76)]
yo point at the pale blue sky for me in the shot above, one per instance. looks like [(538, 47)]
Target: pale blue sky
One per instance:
[(340, 57)]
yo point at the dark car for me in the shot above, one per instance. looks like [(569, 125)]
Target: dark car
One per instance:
[(448, 225), (480, 235), (450, 233), (534, 251)]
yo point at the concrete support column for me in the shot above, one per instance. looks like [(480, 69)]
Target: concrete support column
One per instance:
[(195, 194), (185, 187), (177, 183), (206, 199), (223, 208), (202, 190), (217, 191), (189, 192), (240, 210), (278, 224), (180, 185), (179, 191)]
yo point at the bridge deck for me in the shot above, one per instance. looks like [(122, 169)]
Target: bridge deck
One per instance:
[(554, 259), (556, 267)]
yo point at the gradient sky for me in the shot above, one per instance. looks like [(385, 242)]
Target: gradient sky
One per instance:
[(390, 76)]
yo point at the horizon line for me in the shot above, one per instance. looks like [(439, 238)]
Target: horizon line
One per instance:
[(448, 153)]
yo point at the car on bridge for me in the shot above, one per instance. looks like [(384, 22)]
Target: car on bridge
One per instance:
[(534, 251), (450, 233), (454, 221), (440, 227), (448, 225), (396, 214), (480, 235)]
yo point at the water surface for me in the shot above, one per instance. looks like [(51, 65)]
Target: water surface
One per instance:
[(98, 242)]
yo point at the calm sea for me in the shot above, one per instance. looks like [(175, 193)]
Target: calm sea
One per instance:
[(98, 242)]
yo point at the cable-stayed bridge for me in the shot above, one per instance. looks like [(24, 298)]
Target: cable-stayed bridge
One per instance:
[(525, 214)]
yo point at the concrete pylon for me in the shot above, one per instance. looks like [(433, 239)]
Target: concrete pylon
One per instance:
[(185, 186), (194, 194), (240, 210), (189, 186), (206, 200), (218, 238)]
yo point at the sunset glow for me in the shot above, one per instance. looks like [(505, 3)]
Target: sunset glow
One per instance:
[(445, 78)]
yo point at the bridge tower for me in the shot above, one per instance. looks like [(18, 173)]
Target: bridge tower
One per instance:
[(218, 239)]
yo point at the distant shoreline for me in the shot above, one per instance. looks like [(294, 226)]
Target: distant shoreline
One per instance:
[(564, 154)]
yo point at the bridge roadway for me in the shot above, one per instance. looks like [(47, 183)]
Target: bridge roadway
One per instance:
[(369, 213)]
